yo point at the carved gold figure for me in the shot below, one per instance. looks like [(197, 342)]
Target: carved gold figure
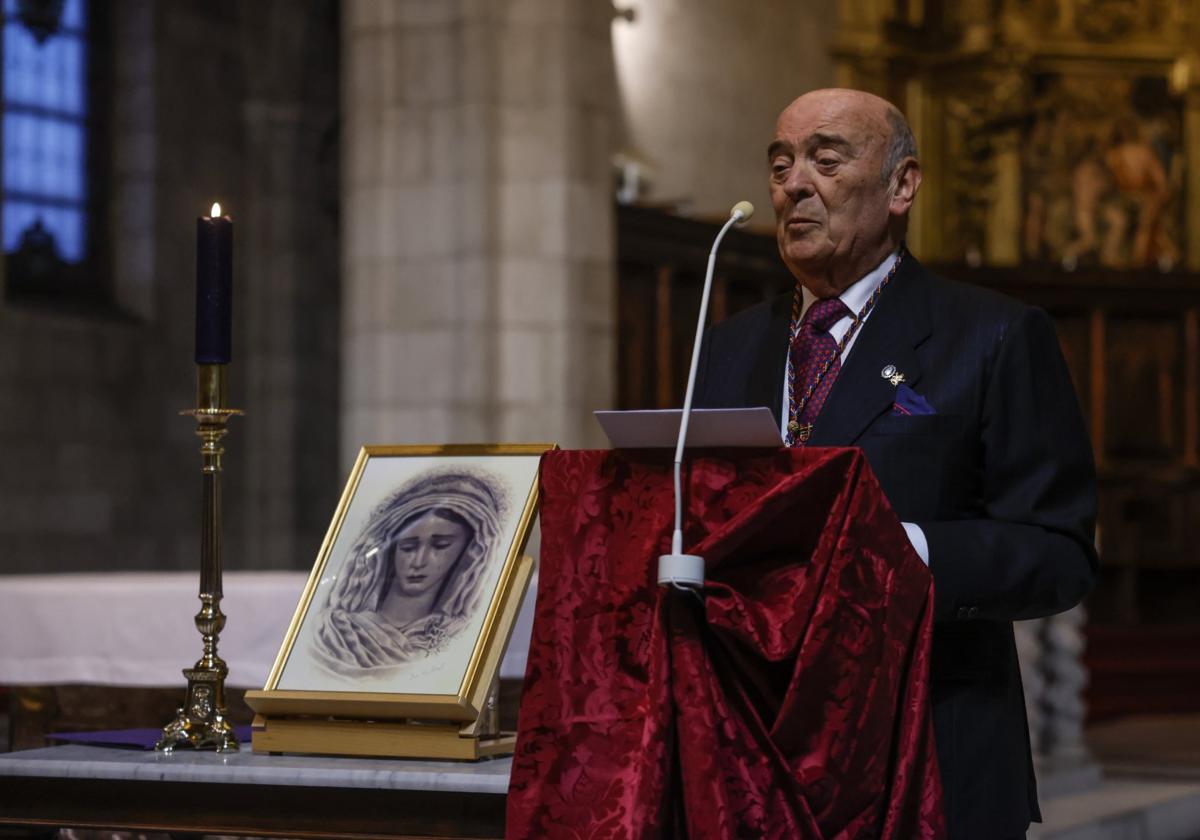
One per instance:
[(1060, 131)]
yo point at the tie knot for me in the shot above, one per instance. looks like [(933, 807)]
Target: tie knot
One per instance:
[(823, 314)]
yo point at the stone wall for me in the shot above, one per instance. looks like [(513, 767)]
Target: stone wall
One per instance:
[(474, 298), (478, 268), (76, 445), (702, 82)]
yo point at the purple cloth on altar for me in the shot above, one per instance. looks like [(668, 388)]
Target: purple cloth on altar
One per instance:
[(142, 739)]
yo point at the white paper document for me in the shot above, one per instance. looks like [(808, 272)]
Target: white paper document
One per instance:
[(707, 427)]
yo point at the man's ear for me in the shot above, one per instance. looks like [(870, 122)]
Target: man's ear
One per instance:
[(907, 182)]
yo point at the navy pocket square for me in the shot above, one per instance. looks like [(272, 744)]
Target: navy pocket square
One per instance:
[(909, 401)]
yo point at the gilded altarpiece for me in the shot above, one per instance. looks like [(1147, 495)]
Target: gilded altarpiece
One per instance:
[(1060, 141), (1058, 131)]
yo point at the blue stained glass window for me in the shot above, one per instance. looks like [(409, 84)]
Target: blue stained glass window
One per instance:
[(45, 188), (73, 15)]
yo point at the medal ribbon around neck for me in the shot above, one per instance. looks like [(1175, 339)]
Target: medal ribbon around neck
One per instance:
[(795, 430)]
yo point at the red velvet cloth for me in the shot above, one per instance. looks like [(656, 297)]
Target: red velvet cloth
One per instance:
[(793, 702)]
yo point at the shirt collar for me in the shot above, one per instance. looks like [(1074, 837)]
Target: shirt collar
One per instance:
[(859, 292)]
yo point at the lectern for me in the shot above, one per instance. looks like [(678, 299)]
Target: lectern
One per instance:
[(789, 697)]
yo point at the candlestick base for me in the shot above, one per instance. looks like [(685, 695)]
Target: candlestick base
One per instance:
[(200, 724)]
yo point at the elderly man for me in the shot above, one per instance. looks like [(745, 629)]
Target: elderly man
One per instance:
[(962, 403)]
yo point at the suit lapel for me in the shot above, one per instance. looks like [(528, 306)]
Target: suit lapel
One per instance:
[(765, 383), (890, 336)]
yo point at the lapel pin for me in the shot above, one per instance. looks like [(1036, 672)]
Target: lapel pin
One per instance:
[(891, 374)]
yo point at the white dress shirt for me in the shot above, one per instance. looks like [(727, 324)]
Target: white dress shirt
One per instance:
[(855, 297)]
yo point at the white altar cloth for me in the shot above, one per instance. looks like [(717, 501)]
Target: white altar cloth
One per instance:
[(136, 628)]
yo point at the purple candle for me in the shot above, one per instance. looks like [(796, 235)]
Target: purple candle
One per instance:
[(214, 288)]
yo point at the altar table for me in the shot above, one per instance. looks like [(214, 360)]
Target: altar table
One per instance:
[(136, 628), (250, 795)]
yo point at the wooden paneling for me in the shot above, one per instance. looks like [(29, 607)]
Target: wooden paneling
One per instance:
[(1074, 335), (176, 809), (1142, 670), (636, 348), (661, 264), (1143, 419)]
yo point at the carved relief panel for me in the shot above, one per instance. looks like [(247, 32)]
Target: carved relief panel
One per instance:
[(1103, 172), (1052, 131)]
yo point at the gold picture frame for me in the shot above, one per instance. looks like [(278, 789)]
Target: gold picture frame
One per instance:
[(345, 658)]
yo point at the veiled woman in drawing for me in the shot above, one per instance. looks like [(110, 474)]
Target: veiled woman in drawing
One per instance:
[(413, 578)]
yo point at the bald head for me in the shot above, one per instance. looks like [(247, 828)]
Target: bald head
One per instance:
[(889, 123), (843, 176)]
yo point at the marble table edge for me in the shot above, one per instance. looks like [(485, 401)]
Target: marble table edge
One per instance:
[(76, 762)]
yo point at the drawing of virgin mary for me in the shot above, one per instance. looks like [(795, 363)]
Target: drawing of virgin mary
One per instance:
[(413, 578)]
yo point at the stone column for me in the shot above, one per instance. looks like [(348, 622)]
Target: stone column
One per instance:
[(1067, 764), (284, 236), (134, 165), (477, 255), (273, 224), (1029, 657), (1054, 677)]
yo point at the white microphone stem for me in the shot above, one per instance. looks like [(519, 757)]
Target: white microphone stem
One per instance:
[(677, 537)]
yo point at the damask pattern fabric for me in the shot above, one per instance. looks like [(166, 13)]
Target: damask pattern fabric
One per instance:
[(791, 701)]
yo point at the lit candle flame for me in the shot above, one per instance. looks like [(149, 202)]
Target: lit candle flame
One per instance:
[(216, 210)]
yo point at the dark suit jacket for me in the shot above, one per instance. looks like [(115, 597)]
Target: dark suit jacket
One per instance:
[(1001, 480)]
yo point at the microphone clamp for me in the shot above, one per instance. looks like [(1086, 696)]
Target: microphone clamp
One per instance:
[(681, 570)]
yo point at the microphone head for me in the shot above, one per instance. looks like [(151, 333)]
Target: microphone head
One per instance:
[(743, 210)]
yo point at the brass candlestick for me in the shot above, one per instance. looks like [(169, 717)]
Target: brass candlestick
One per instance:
[(201, 723)]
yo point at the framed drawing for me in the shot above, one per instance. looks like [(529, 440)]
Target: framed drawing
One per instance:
[(411, 600)]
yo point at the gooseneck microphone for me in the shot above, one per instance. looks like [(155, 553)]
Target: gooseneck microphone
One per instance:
[(679, 569)]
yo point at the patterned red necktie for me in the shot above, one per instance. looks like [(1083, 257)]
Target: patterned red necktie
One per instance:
[(811, 347)]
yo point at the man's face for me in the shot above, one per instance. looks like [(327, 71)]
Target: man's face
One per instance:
[(831, 201)]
